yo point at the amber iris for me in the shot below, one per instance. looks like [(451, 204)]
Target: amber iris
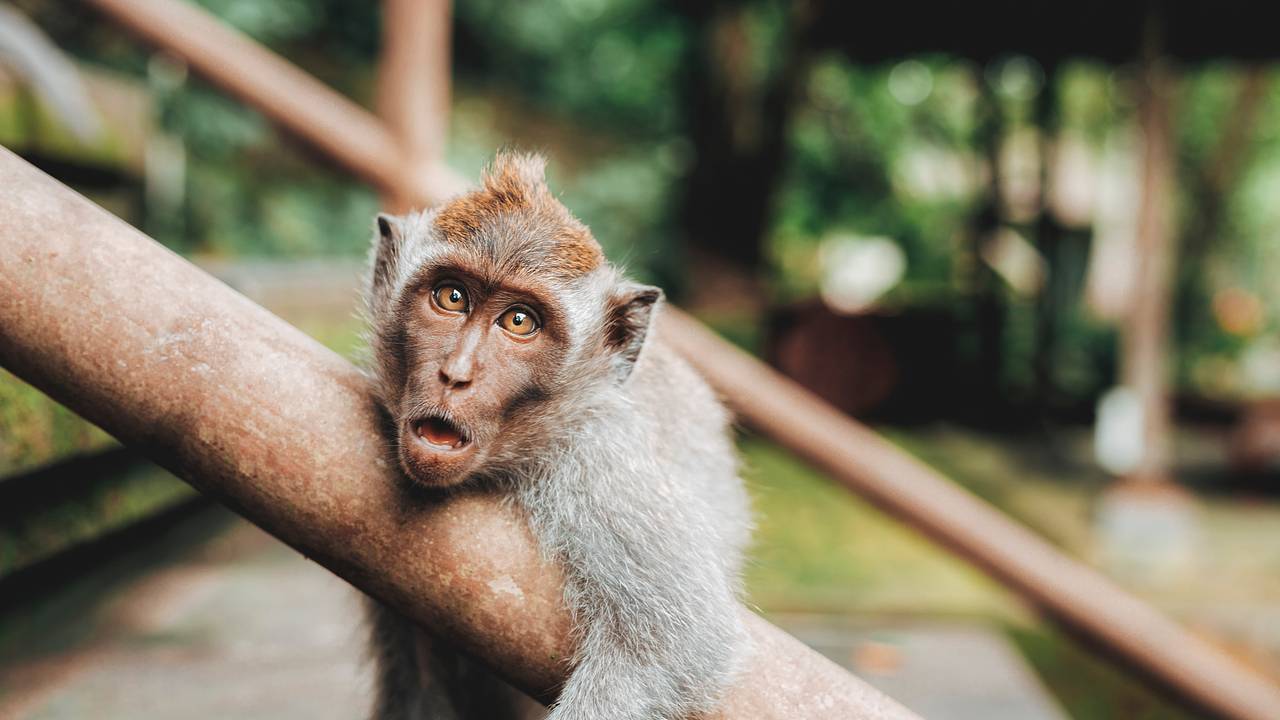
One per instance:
[(451, 298), (519, 322)]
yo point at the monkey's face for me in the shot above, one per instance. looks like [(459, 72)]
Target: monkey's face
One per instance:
[(475, 352), (494, 317)]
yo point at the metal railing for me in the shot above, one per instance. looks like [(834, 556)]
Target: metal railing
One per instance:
[(282, 431), (255, 413)]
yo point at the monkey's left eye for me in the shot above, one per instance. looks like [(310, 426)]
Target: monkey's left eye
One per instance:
[(451, 298), (519, 322)]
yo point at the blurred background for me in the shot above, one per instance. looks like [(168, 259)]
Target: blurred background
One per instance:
[(1032, 243)]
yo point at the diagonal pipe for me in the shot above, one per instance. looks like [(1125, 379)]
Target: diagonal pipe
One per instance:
[(340, 129), (251, 411), (1064, 588)]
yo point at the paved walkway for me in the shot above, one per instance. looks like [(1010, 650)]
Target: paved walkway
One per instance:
[(243, 627), (948, 671)]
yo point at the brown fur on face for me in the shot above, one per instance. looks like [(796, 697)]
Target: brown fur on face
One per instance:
[(508, 244), (462, 366), (514, 213)]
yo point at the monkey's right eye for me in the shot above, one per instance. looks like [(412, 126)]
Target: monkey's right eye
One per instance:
[(451, 298)]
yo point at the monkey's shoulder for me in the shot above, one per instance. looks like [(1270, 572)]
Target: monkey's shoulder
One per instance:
[(665, 385)]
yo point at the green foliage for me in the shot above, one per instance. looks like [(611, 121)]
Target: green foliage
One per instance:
[(213, 127), (35, 430), (269, 21), (865, 162), (605, 63), (625, 199), (899, 150), (246, 211), (605, 74), (1091, 100), (894, 150)]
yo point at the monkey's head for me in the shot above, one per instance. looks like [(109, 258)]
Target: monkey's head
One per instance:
[(494, 319)]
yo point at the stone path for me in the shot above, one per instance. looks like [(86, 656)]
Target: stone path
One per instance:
[(243, 627)]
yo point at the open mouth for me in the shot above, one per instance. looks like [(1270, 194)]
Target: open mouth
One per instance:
[(440, 433)]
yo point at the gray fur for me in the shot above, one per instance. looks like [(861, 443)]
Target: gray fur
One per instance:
[(629, 482)]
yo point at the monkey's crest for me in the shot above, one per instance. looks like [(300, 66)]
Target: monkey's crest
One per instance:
[(516, 182)]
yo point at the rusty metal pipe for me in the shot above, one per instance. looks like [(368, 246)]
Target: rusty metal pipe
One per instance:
[(339, 128), (1064, 588), (258, 415), (413, 90), (850, 452)]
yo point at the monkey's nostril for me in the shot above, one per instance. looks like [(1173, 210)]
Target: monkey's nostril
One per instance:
[(453, 382)]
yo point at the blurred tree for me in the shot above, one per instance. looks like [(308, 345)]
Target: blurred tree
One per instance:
[(743, 71), (756, 131), (1220, 121)]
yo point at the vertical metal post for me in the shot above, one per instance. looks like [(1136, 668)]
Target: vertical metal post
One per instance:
[(1145, 329), (413, 90)]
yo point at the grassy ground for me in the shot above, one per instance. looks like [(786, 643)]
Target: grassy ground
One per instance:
[(820, 549)]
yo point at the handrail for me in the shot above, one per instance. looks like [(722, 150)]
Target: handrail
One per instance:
[(1059, 585), (339, 128), (255, 413)]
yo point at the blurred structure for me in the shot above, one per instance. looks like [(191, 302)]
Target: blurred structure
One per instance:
[(39, 64)]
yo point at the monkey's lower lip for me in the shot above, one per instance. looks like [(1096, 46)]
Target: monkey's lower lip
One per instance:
[(440, 433)]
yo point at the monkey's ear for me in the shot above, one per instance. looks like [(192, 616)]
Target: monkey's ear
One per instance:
[(388, 226), (630, 314), (390, 233), (390, 229)]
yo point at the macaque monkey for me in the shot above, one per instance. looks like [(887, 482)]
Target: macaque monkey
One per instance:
[(509, 354)]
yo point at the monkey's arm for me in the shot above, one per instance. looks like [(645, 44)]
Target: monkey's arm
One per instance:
[(652, 586)]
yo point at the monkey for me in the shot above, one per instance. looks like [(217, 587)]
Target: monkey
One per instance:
[(509, 354)]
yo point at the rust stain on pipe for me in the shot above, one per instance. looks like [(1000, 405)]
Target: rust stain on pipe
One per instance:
[(250, 410)]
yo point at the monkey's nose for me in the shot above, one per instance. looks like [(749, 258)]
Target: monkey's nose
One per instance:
[(454, 380)]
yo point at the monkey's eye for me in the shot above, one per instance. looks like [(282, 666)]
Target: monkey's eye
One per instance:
[(518, 321), (451, 298)]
